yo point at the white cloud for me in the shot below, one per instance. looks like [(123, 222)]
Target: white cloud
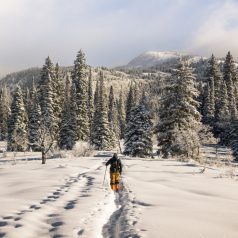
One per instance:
[(219, 33), (111, 32)]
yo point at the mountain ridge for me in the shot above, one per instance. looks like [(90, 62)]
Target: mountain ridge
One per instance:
[(154, 58)]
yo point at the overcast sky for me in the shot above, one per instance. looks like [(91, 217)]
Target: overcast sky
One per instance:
[(112, 32)]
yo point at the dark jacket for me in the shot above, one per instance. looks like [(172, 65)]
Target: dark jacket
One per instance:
[(116, 165)]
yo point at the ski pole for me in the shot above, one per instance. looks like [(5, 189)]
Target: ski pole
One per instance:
[(104, 175)]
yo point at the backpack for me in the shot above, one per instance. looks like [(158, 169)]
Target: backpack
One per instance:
[(115, 166)]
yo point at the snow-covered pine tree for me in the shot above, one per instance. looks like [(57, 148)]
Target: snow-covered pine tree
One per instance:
[(206, 105), (27, 103), (138, 135), (233, 139), (129, 103), (121, 115), (214, 73), (95, 100), (230, 68), (34, 116), (47, 105), (90, 101), (179, 118), (73, 116), (111, 105), (5, 102), (231, 97), (17, 134), (58, 92), (236, 95), (101, 137), (68, 126), (202, 97), (223, 114), (136, 94), (230, 77), (79, 77), (113, 116), (229, 137), (209, 107), (26, 98), (46, 95)]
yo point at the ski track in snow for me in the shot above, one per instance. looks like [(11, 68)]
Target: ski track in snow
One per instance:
[(46, 214), (112, 216), (122, 221)]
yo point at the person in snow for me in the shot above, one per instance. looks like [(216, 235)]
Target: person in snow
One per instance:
[(115, 171)]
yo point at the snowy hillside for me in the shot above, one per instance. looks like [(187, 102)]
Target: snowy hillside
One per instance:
[(160, 198), (119, 80), (155, 58), (22, 78)]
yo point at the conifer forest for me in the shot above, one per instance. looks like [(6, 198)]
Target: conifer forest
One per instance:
[(193, 101)]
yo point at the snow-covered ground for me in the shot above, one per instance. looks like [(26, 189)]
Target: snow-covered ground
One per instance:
[(160, 198)]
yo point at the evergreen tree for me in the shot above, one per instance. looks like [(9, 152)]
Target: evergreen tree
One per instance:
[(80, 80), (229, 137), (5, 111), (202, 98), (26, 98), (230, 77), (223, 116), (138, 136), (223, 112), (113, 116), (27, 103), (230, 68), (90, 101), (121, 115), (101, 137), (212, 98), (136, 95), (47, 95), (179, 119), (58, 93), (17, 124), (95, 101), (129, 103), (209, 107), (236, 95), (34, 116), (231, 97), (68, 126), (215, 75), (111, 106), (233, 139)]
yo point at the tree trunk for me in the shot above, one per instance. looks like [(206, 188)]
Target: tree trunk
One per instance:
[(43, 157)]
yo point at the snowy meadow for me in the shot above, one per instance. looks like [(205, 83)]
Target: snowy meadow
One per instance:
[(160, 198)]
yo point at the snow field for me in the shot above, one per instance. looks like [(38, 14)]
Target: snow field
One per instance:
[(176, 200), (160, 198), (54, 200)]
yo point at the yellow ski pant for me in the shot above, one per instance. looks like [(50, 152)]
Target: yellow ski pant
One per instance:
[(115, 180)]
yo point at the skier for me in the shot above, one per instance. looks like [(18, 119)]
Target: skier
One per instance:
[(115, 171)]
